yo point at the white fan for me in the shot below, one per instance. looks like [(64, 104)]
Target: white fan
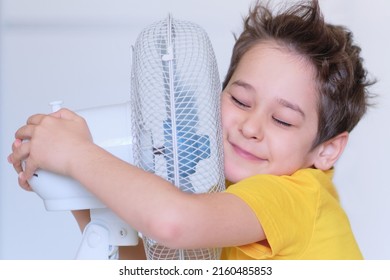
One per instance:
[(170, 127), (176, 116)]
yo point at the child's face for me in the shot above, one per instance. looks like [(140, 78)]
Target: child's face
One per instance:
[(269, 114)]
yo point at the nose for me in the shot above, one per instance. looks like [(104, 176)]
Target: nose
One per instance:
[(252, 128)]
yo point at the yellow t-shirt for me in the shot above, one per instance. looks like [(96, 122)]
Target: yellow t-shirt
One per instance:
[(301, 217)]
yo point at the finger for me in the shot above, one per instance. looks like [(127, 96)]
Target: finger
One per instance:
[(29, 169), (23, 182), (66, 114), (9, 159), (36, 119), (20, 153), (26, 169), (18, 166), (16, 144), (24, 133), (63, 113)]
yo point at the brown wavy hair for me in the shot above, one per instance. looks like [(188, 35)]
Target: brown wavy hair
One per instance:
[(342, 80)]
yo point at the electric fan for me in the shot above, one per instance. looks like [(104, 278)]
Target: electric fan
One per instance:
[(176, 116), (170, 127)]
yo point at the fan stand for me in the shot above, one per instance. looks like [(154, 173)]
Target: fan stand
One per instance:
[(103, 235)]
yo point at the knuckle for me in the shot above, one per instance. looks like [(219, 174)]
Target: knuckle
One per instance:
[(45, 120)]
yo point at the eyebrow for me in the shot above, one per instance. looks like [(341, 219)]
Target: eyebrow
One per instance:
[(291, 106), (243, 84), (281, 101)]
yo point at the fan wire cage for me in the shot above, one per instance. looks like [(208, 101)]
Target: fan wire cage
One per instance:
[(175, 100)]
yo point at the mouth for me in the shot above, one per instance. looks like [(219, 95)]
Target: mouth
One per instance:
[(245, 154)]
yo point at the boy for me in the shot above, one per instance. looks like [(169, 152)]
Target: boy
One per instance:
[(294, 90)]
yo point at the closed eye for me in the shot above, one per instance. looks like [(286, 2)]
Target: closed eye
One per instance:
[(282, 123), (238, 102)]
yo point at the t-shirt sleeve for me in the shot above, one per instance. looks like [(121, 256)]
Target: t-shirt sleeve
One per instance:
[(286, 207)]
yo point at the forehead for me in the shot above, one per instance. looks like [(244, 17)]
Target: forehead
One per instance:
[(276, 72)]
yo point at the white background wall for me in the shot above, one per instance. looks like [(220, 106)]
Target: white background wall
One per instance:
[(79, 51)]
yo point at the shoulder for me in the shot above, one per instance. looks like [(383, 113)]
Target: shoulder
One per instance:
[(286, 206)]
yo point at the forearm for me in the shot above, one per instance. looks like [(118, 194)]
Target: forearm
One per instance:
[(143, 200), (133, 252), (82, 218)]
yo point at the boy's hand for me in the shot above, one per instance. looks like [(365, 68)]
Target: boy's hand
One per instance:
[(18, 164), (51, 142)]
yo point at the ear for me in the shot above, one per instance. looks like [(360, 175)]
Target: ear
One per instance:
[(330, 151)]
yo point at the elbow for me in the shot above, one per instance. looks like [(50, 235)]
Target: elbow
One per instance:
[(168, 230)]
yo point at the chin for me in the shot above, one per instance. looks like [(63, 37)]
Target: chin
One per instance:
[(235, 174), (229, 175)]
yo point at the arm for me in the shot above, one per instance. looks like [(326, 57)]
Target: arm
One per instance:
[(133, 252), (159, 210), (82, 218), (149, 203)]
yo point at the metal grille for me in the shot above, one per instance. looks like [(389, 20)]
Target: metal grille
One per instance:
[(176, 115)]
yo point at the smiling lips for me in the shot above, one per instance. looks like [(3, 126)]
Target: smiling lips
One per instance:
[(245, 154)]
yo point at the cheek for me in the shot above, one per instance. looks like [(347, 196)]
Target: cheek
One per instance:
[(283, 147), (292, 149), (226, 117)]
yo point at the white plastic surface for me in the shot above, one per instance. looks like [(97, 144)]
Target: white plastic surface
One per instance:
[(110, 127)]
